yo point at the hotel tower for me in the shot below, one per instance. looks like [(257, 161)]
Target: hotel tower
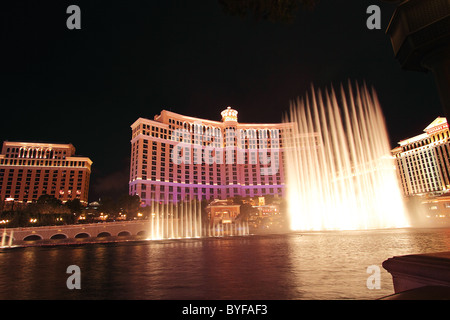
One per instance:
[(423, 161), (29, 170), (176, 157)]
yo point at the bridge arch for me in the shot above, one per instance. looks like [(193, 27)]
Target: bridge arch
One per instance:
[(82, 235), (142, 233), (33, 237), (103, 234), (124, 233), (58, 236)]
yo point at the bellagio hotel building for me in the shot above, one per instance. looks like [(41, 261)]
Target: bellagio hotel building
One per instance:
[(29, 170), (423, 161), (177, 158)]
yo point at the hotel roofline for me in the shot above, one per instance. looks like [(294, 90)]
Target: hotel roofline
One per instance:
[(439, 124), (50, 145), (166, 113)]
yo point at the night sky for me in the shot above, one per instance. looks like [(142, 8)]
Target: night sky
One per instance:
[(133, 58)]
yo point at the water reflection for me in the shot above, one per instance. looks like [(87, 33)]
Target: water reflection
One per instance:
[(312, 265)]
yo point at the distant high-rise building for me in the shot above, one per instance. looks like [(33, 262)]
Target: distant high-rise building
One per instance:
[(176, 157), (29, 170), (423, 161)]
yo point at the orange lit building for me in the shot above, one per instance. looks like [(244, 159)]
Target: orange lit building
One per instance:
[(176, 157), (423, 161), (222, 211), (29, 170)]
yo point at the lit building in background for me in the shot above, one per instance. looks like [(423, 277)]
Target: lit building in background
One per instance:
[(222, 211), (176, 158), (29, 170), (423, 161)]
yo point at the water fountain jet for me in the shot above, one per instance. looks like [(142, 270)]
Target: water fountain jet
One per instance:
[(183, 220), (340, 173)]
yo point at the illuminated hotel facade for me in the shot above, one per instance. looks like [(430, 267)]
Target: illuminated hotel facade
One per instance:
[(177, 158), (423, 161), (29, 170)]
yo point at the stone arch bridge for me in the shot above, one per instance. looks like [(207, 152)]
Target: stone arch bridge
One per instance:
[(75, 233)]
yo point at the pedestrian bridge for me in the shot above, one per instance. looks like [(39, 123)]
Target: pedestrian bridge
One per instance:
[(22, 236)]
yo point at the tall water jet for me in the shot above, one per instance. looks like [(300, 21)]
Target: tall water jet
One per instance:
[(184, 220), (2, 244), (340, 173), (10, 239)]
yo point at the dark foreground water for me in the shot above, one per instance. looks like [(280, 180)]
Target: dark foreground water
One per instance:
[(319, 265)]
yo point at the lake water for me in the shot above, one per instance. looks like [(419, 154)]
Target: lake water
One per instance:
[(314, 265)]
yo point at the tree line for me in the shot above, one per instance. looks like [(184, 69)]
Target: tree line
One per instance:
[(48, 210)]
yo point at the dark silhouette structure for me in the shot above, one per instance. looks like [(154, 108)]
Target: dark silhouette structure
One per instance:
[(420, 36)]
